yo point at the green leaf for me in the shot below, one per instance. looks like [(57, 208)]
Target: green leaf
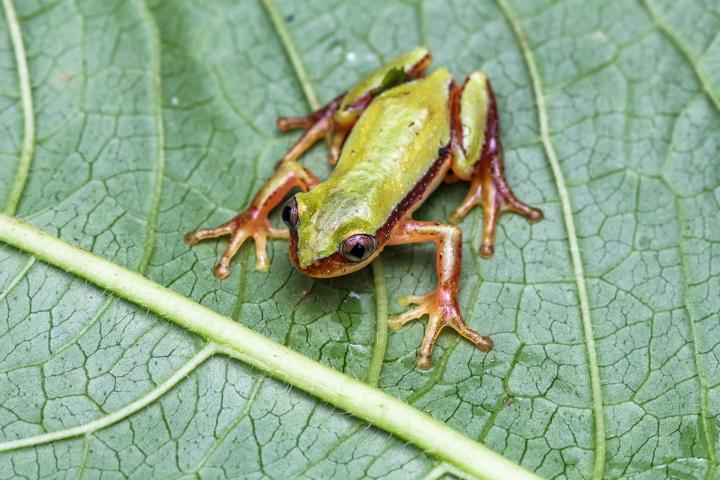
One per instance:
[(126, 125)]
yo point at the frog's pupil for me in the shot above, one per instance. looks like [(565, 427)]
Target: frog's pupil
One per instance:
[(357, 251), (287, 214), (357, 247)]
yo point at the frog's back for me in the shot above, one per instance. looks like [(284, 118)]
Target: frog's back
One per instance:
[(393, 145)]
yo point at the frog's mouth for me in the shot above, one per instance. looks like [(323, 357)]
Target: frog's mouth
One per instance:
[(334, 265)]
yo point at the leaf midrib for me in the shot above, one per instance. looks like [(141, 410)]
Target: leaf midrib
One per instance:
[(250, 347)]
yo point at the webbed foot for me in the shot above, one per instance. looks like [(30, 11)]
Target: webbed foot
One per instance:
[(442, 308), (254, 222), (493, 193), (250, 223)]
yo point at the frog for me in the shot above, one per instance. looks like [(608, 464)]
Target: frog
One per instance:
[(393, 139)]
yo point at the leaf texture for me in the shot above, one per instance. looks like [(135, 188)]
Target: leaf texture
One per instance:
[(149, 120)]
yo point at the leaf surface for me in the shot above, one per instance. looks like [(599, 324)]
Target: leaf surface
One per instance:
[(151, 120)]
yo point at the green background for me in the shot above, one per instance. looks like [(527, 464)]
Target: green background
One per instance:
[(152, 120)]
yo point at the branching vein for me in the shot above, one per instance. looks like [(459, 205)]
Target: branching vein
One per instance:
[(119, 414)]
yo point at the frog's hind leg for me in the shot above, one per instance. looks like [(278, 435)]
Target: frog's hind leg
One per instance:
[(478, 158), (318, 125), (441, 304)]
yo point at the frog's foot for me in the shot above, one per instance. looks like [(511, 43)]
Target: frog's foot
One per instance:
[(495, 195), (253, 222), (250, 223), (442, 308)]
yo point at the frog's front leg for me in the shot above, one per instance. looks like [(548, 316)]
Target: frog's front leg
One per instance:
[(478, 158), (254, 222), (441, 305)]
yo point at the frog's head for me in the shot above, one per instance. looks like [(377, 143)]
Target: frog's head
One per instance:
[(329, 233)]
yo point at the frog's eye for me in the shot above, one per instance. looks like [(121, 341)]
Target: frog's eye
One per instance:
[(358, 247), (290, 213)]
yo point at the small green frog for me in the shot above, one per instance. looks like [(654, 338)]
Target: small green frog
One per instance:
[(395, 137)]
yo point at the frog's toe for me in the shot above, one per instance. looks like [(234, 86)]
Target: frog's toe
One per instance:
[(423, 362), (473, 197), (261, 258), (291, 123), (406, 300), (494, 196), (521, 208), (397, 321), (194, 237), (441, 307), (222, 269), (493, 204), (250, 223), (443, 318)]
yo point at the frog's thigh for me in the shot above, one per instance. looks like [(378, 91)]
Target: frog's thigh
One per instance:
[(400, 69), (470, 122)]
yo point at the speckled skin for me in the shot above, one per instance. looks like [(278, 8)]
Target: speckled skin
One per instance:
[(397, 134)]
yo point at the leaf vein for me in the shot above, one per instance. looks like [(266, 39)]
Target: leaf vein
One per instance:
[(664, 28), (28, 145), (591, 352), (119, 414), (160, 133), (705, 425)]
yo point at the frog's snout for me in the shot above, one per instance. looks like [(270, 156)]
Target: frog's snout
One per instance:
[(333, 265)]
